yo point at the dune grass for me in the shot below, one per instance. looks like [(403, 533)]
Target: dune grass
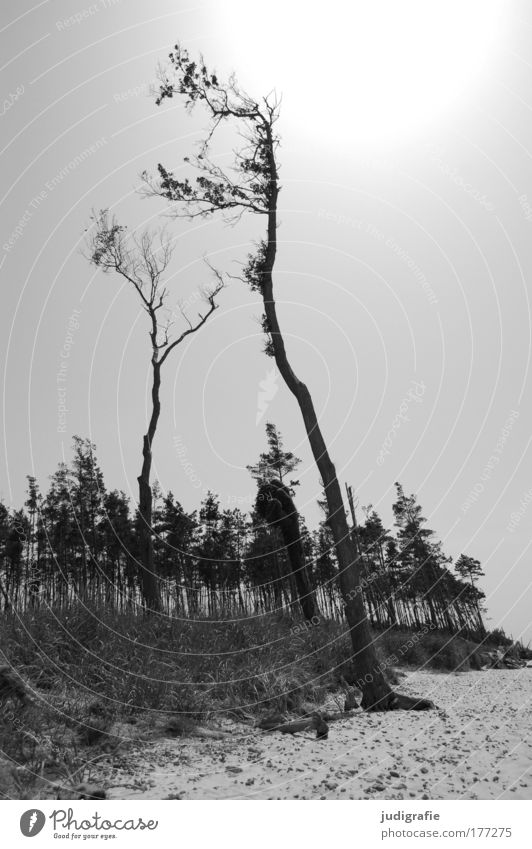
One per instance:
[(88, 668)]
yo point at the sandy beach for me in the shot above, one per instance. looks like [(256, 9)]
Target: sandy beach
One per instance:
[(475, 746)]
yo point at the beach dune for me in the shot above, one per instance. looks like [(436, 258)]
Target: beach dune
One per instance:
[(475, 746)]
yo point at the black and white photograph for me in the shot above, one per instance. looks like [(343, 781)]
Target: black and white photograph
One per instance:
[(266, 463)]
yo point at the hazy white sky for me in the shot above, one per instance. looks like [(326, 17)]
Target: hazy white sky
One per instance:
[(406, 224)]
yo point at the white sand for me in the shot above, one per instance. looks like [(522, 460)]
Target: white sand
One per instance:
[(477, 746)]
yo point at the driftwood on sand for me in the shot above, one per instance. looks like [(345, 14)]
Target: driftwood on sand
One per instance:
[(403, 702), (319, 719), (510, 657), (315, 722), (178, 727)]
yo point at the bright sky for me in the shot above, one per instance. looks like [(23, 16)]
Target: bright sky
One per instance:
[(406, 216)]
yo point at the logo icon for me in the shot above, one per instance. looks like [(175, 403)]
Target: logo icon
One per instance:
[(32, 822)]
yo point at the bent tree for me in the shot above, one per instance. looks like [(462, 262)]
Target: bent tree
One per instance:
[(251, 184), (274, 504), (141, 261), (276, 507)]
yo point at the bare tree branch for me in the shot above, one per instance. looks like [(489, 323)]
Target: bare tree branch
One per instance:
[(142, 260), (211, 301)]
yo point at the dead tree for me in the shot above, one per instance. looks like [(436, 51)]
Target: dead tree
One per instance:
[(275, 505), (252, 185), (142, 261)]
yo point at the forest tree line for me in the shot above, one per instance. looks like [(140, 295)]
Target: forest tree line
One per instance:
[(80, 541)]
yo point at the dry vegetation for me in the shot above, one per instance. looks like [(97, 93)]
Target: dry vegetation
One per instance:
[(97, 679)]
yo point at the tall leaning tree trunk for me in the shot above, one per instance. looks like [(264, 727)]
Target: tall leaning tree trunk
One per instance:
[(149, 583), (376, 694), (256, 190)]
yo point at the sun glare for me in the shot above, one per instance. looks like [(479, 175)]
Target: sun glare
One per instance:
[(363, 72)]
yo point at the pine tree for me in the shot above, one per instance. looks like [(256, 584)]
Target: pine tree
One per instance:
[(276, 463), (177, 532), (14, 549), (209, 550), (62, 536), (421, 558), (325, 568), (266, 567), (87, 494), (4, 533), (470, 570), (381, 578), (118, 549)]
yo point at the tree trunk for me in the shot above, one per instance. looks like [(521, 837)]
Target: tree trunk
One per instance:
[(376, 694), (148, 578), (276, 506)]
